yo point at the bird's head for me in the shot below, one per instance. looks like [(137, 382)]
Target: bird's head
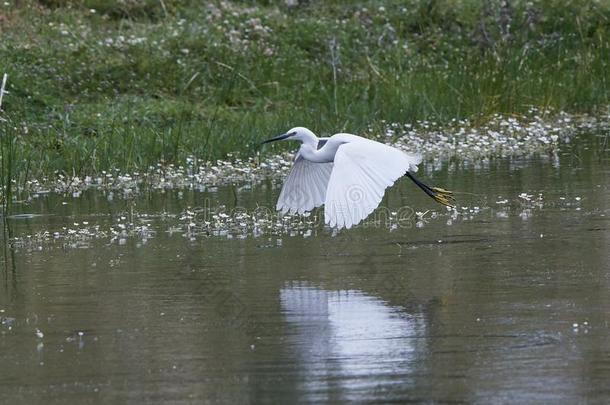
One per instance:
[(295, 134)]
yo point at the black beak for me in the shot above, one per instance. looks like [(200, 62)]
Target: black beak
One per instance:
[(278, 138)]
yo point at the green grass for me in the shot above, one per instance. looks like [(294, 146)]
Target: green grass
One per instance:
[(138, 82)]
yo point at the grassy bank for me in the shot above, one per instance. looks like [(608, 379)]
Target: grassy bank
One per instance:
[(122, 83)]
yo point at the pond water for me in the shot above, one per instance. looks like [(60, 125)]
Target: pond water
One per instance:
[(112, 298)]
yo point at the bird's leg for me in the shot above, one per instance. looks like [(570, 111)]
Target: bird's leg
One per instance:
[(440, 195)]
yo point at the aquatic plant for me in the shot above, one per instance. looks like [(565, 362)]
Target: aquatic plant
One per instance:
[(7, 152), (460, 141)]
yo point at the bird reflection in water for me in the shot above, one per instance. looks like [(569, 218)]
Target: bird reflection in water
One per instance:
[(350, 341)]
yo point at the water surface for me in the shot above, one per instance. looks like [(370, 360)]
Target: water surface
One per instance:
[(507, 301)]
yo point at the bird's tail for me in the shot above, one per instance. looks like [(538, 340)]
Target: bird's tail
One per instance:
[(440, 195)]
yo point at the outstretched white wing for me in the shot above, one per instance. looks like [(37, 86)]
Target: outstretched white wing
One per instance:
[(305, 187), (362, 171)]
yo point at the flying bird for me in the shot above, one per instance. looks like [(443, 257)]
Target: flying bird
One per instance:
[(346, 173)]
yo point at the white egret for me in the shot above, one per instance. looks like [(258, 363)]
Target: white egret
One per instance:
[(346, 173)]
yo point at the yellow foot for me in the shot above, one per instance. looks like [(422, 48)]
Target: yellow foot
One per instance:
[(443, 196)]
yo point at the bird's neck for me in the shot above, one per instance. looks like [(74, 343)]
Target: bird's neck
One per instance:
[(309, 151)]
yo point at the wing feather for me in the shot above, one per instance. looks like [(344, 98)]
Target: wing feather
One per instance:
[(362, 171), (305, 187)]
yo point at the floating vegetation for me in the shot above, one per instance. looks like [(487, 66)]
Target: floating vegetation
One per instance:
[(500, 137), (198, 223)]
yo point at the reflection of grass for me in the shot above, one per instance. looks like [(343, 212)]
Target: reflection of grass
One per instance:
[(125, 83)]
